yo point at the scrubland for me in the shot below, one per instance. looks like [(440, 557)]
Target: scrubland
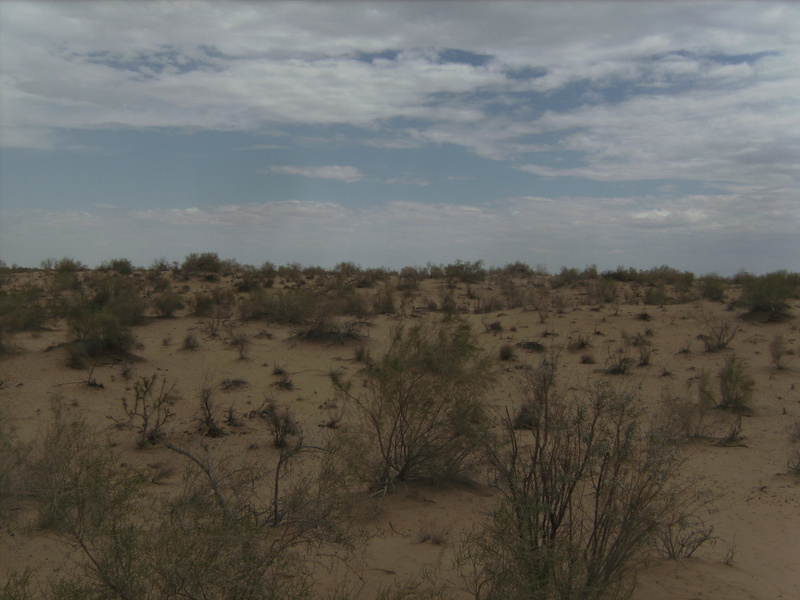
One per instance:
[(213, 430)]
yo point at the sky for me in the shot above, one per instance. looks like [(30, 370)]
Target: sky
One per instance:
[(401, 133)]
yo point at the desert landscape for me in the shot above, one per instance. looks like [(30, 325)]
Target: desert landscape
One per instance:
[(212, 430)]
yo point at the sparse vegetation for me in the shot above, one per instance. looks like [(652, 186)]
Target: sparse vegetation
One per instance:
[(151, 409), (735, 386), (229, 501), (545, 539)]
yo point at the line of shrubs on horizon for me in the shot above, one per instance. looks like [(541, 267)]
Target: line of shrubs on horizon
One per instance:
[(101, 305)]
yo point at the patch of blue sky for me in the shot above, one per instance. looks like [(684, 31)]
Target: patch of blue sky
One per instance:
[(148, 64), (463, 57)]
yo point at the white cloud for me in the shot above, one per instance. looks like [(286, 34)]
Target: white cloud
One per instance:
[(342, 173)]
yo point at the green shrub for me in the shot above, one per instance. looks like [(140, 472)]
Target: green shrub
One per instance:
[(23, 309), (205, 262), (712, 287), (465, 272), (735, 384), (767, 296), (166, 303), (120, 265)]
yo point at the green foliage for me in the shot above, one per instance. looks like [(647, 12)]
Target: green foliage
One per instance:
[(768, 295), (712, 287), (22, 309), (100, 324), (421, 414), (219, 302), (62, 264), (465, 272), (205, 262), (121, 266), (735, 384)]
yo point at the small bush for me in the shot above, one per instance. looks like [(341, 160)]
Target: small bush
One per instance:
[(779, 353), (507, 353), (151, 409), (719, 332), (735, 384), (190, 342), (327, 329), (209, 424), (166, 303), (619, 362), (241, 342)]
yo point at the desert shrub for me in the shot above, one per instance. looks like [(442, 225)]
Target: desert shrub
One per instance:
[(240, 341), (655, 294), (117, 295), (602, 291), (719, 332), (23, 309), (779, 353), (150, 410), (12, 465), (507, 352), (712, 287), (421, 413), (219, 303), (160, 264), (619, 361), (328, 329), (208, 419), (166, 303), (585, 491), (190, 342), (294, 307), (735, 386), (64, 264), (76, 483), (205, 262), (767, 296), (383, 302), (465, 272), (95, 331), (281, 422), (409, 278), (120, 265)]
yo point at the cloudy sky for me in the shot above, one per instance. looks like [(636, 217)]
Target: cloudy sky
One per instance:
[(391, 134)]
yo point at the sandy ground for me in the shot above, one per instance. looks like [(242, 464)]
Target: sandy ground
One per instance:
[(757, 517)]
